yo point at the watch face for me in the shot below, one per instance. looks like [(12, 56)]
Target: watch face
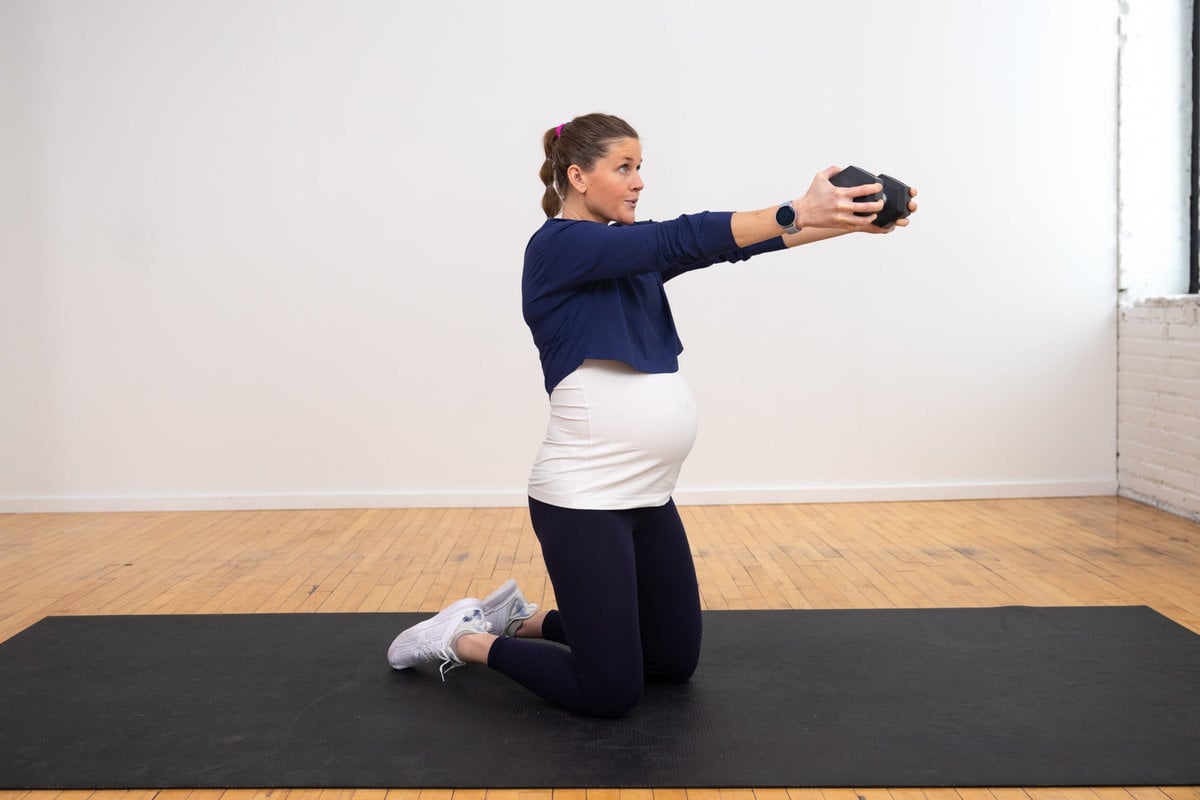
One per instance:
[(785, 215)]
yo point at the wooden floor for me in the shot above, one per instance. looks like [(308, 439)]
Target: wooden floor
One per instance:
[(1081, 551)]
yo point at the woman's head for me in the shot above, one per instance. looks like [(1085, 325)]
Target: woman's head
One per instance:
[(583, 142)]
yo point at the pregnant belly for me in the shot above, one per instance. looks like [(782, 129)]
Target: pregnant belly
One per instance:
[(616, 436)]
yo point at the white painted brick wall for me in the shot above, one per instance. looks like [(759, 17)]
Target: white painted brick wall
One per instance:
[(1158, 403)]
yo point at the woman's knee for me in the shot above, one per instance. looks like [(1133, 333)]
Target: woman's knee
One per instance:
[(612, 705), (614, 694), (675, 667), (673, 654)]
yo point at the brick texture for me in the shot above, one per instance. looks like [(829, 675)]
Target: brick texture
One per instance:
[(1158, 403)]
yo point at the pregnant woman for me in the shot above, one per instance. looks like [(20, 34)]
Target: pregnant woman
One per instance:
[(622, 420)]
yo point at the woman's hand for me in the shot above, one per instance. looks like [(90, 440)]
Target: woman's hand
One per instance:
[(900, 223), (827, 206), (824, 212)]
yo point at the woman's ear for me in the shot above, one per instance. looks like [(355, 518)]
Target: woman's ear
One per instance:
[(576, 179)]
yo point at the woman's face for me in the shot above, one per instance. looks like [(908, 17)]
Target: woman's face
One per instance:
[(611, 188)]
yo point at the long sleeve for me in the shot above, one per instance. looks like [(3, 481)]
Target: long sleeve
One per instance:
[(591, 290)]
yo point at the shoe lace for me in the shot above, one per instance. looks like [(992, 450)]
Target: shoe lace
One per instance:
[(445, 650), (450, 661), (437, 651)]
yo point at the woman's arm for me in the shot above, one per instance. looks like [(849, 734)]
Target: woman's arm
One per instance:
[(803, 236), (823, 212), (810, 235)]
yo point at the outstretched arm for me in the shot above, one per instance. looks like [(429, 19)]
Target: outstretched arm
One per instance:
[(823, 212)]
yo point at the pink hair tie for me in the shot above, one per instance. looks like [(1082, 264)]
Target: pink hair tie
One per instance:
[(558, 131)]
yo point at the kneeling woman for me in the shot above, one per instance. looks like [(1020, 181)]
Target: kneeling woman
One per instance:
[(622, 420)]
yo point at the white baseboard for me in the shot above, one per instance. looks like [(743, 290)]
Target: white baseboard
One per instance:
[(260, 502), (899, 492), (516, 497)]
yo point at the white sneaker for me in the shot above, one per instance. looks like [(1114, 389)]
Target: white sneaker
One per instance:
[(505, 609), (434, 639)]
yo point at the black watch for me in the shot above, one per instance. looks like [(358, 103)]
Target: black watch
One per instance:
[(785, 215)]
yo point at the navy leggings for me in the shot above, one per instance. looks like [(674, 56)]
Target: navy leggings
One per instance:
[(628, 609)]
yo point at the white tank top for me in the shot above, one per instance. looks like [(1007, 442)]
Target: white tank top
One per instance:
[(616, 439)]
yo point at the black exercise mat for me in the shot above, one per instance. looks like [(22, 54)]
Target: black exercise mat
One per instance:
[(933, 697)]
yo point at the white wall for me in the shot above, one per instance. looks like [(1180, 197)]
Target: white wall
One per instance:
[(268, 253)]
